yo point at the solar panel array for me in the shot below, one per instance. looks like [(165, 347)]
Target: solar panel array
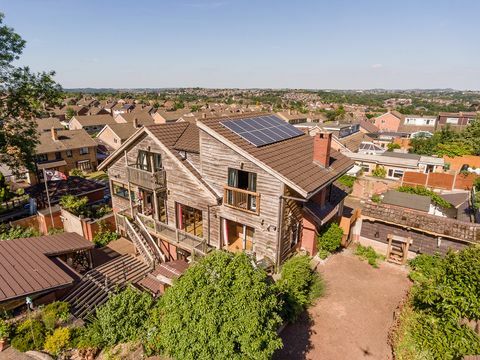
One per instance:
[(262, 130)]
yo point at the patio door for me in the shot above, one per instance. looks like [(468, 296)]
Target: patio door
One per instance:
[(236, 236), (190, 220)]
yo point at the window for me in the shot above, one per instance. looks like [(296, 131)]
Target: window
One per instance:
[(452, 120), (42, 157), (246, 181), (84, 165), (157, 162), (394, 173), (69, 153), (365, 168), (83, 150), (58, 155), (190, 220), (122, 191), (143, 160)]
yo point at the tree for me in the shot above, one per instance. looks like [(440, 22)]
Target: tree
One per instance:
[(221, 308), (471, 135), (69, 113), (393, 146), (23, 96)]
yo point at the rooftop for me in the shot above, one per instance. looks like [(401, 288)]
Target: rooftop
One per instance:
[(406, 200), (67, 140)]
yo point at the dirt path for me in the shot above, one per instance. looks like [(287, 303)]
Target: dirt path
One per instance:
[(352, 319)]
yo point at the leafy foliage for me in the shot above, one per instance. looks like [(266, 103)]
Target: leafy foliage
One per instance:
[(298, 286), (74, 204), (331, 239), (17, 232), (393, 146), (221, 308), (58, 341), (369, 254), (422, 190), (347, 180), (29, 335), (379, 172), (25, 96), (104, 236), (5, 193), (55, 312), (77, 172), (121, 318), (4, 329)]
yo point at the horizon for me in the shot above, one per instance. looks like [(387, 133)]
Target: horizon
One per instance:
[(226, 44)]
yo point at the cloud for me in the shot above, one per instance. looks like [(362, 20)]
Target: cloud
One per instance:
[(377, 66)]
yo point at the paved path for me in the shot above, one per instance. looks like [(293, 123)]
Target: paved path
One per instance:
[(352, 319)]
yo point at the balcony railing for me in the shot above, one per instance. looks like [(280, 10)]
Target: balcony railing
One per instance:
[(240, 199), (146, 179)]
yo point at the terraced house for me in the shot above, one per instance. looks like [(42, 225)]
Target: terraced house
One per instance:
[(249, 182)]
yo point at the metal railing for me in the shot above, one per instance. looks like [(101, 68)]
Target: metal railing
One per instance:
[(242, 199), (146, 179)]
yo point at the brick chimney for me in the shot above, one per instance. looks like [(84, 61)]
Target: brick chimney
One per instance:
[(321, 148), (135, 122), (54, 134)]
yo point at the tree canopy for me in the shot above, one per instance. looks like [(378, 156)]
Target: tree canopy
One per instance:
[(221, 308), (24, 95)]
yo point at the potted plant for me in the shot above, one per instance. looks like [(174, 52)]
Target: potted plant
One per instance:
[(4, 332)]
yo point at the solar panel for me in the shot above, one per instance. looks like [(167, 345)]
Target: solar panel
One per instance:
[(262, 130)]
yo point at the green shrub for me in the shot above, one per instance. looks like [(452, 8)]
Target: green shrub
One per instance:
[(29, 335), (393, 146), (347, 180), (323, 254), (379, 172), (330, 240), (298, 286), (4, 329), (74, 204), (16, 232), (89, 337), (55, 312), (369, 254), (77, 172), (58, 341), (376, 198), (104, 235), (121, 318)]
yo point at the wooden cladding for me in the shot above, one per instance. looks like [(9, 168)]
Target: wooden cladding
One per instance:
[(146, 179), (241, 199)]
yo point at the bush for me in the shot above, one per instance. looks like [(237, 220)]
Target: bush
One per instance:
[(74, 204), (55, 312), (379, 172), (221, 308), (77, 172), (369, 254), (58, 341), (298, 286), (104, 236), (330, 240), (89, 337), (16, 232), (121, 318), (347, 180), (376, 198), (29, 335), (393, 146), (4, 329)]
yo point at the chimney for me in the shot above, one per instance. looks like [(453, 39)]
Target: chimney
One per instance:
[(204, 115), (135, 122), (54, 134), (321, 148)]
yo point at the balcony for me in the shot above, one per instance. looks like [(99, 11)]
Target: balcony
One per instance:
[(241, 199), (146, 179)]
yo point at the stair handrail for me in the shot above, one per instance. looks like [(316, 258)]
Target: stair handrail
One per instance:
[(150, 238), (146, 253)]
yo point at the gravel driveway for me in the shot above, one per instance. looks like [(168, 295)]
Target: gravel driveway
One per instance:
[(352, 319)]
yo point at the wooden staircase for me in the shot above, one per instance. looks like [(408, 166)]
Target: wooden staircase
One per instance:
[(397, 251), (143, 241), (97, 285)]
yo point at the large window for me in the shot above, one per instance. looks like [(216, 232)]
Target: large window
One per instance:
[(246, 181), (143, 161), (157, 162), (189, 219), (42, 157), (394, 173), (121, 190)]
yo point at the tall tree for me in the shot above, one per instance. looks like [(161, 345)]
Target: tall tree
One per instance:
[(24, 95)]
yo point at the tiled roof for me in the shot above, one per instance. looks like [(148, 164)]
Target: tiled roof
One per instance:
[(67, 140), (406, 200), (367, 125), (436, 225), (89, 120), (46, 124), (292, 158), (143, 117), (123, 131)]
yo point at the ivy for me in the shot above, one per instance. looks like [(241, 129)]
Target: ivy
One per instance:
[(422, 190)]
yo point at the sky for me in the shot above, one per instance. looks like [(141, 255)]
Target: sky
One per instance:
[(335, 44)]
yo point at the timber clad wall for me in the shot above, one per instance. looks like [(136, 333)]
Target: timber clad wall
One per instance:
[(216, 158)]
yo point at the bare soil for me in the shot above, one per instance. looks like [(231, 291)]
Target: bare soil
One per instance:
[(353, 318)]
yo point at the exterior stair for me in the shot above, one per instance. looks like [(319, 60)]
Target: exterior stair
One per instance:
[(144, 243), (97, 285)]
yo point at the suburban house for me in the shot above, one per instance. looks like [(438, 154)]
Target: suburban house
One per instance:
[(97, 111), (138, 117), (390, 121), (416, 125), (396, 163), (114, 135), (64, 150), (456, 121), (46, 124), (249, 182), (90, 123), (162, 116), (122, 108), (60, 113)]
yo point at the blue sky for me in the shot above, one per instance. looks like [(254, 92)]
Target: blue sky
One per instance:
[(354, 44)]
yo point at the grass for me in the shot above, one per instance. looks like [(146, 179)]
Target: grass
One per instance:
[(368, 254), (347, 180)]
